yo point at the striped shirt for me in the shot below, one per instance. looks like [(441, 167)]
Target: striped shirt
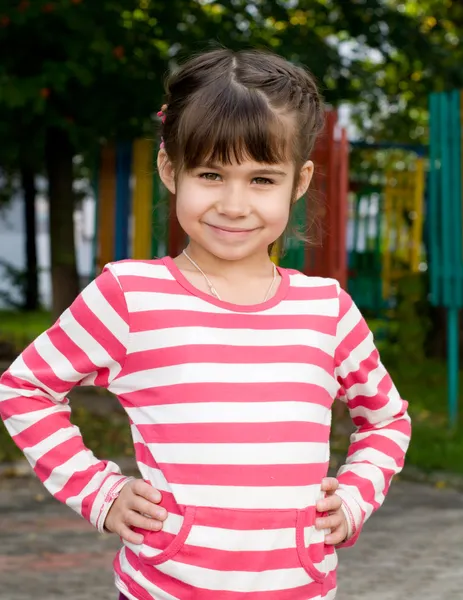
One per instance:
[(230, 411)]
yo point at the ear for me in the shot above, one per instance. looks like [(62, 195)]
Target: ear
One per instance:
[(166, 171), (305, 177)]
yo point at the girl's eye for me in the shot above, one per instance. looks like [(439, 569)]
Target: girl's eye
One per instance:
[(210, 176), (263, 181)]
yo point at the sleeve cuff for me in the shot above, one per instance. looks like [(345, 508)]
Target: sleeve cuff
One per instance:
[(108, 492), (354, 517)]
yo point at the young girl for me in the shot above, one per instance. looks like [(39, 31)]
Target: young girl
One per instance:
[(226, 366)]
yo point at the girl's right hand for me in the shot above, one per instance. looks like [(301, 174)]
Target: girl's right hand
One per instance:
[(136, 506)]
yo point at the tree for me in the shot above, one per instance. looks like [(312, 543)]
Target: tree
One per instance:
[(83, 71), (19, 164), (425, 58)]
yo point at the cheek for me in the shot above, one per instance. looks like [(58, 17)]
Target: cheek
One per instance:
[(190, 206), (276, 212)]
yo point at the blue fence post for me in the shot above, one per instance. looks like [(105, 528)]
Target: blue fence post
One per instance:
[(123, 173)]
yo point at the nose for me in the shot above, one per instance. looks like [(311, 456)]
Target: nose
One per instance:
[(233, 202)]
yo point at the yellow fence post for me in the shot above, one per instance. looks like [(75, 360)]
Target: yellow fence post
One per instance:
[(403, 224), (142, 170)]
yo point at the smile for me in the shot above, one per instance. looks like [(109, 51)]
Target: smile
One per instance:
[(230, 230)]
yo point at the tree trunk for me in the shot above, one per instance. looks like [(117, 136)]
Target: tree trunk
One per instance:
[(29, 190), (65, 282)]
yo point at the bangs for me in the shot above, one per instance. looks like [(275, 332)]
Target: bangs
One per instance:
[(224, 124)]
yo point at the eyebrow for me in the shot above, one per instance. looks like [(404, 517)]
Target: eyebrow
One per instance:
[(268, 172), (263, 171)]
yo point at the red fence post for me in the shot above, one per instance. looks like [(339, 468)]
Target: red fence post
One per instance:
[(327, 255)]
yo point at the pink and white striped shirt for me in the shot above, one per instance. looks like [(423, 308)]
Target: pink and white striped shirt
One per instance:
[(230, 411)]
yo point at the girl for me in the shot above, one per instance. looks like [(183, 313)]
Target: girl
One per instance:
[(226, 365)]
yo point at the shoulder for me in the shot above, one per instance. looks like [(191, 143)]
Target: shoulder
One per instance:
[(319, 285), (144, 284), (126, 270)]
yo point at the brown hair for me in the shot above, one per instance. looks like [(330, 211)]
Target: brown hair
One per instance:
[(224, 106)]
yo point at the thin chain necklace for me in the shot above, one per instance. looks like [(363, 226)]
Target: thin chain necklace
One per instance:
[(211, 286)]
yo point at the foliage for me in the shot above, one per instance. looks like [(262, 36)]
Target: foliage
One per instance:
[(17, 279), (8, 186), (434, 446), (425, 58), (409, 327), (96, 68), (19, 329)]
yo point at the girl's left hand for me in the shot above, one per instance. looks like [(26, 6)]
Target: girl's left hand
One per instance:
[(335, 520)]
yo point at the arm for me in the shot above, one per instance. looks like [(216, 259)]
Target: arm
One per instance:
[(378, 446), (87, 345)]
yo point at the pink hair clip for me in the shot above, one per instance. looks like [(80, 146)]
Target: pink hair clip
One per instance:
[(162, 115)]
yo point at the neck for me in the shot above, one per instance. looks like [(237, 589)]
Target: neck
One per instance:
[(256, 264)]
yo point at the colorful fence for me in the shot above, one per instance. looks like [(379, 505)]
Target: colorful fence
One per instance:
[(445, 227), (323, 214), (364, 248), (128, 204), (385, 234)]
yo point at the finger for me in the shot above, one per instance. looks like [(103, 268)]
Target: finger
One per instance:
[(330, 503), (134, 519), (330, 522), (330, 485), (336, 537), (145, 490), (145, 507), (130, 536)]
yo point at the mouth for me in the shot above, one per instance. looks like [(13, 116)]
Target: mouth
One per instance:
[(231, 230)]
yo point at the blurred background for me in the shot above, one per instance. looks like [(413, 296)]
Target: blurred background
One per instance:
[(80, 86)]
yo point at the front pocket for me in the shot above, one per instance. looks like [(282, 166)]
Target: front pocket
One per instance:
[(160, 553), (305, 525), (260, 545)]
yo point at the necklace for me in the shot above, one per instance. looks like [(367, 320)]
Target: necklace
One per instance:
[(211, 286)]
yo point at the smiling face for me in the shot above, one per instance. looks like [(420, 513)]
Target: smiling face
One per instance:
[(238, 130), (236, 210)]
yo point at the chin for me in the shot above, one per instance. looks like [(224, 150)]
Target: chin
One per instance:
[(233, 252)]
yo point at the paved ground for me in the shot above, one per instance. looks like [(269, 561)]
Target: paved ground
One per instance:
[(411, 550)]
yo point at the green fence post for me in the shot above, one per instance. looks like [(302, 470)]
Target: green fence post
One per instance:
[(445, 227)]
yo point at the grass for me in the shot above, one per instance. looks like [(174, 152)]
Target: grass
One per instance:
[(18, 329), (434, 446)]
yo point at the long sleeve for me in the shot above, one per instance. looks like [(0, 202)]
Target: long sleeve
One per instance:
[(87, 345), (378, 446)]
